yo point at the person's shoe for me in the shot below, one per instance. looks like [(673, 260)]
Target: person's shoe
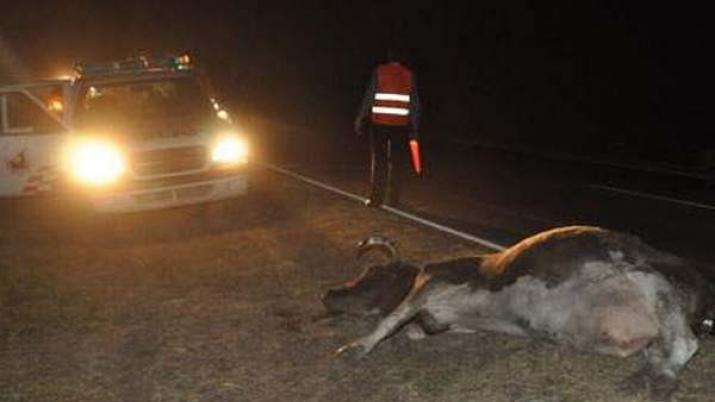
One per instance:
[(372, 203)]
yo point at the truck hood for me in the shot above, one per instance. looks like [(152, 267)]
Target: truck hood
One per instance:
[(197, 138)]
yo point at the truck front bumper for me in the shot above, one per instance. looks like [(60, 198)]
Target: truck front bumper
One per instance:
[(135, 200)]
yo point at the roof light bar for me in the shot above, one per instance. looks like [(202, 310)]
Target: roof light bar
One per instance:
[(134, 65)]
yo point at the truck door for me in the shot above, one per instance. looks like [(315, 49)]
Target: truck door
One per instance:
[(32, 130)]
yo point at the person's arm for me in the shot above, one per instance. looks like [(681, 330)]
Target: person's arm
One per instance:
[(366, 105)]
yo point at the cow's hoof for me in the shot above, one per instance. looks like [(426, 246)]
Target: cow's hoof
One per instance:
[(415, 332), (354, 350)]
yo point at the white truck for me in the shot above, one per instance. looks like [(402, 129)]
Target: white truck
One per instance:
[(137, 134)]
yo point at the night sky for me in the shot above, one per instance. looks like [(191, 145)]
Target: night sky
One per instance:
[(567, 76)]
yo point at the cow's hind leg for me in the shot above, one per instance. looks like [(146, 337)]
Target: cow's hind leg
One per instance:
[(667, 355)]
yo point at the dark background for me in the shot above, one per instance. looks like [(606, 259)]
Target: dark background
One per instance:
[(623, 80)]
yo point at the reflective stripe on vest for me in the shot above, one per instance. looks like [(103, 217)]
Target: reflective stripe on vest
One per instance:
[(391, 104), (392, 97), (397, 111)]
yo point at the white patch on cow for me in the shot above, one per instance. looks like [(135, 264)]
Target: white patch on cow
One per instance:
[(658, 286), (655, 287), (598, 303), (466, 310), (683, 349), (544, 309), (616, 255), (448, 302), (649, 284)]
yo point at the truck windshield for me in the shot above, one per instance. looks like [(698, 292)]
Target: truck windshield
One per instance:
[(142, 102)]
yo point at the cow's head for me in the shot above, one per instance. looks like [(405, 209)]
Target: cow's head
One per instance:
[(378, 290)]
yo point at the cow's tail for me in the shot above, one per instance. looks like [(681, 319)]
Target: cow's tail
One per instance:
[(379, 243)]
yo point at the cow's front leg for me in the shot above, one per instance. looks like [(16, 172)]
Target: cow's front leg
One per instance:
[(403, 313)]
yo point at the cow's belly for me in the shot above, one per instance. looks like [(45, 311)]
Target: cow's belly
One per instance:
[(598, 308)]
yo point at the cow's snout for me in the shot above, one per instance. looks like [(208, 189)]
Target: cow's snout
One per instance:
[(327, 298), (355, 300), (336, 300)]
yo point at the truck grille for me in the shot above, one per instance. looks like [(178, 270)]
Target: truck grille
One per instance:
[(168, 161)]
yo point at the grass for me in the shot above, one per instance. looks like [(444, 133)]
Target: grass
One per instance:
[(172, 308)]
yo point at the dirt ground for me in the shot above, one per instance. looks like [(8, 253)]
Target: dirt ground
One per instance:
[(221, 304)]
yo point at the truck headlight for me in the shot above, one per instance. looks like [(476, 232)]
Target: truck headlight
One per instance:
[(95, 162), (230, 149)]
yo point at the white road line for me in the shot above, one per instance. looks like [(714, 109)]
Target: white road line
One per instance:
[(653, 197), (426, 222), (313, 182), (446, 229)]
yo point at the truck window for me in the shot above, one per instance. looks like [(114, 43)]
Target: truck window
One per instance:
[(141, 102), (22, 116)]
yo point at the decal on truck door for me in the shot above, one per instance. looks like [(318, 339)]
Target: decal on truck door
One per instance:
[(18, 163), (40, 181)]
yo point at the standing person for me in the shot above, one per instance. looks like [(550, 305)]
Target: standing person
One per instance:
[(391, 111)]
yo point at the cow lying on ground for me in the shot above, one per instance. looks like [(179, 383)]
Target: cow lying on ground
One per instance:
[(593, 288)]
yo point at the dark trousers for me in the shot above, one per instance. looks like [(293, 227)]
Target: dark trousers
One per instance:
[(389, 163)]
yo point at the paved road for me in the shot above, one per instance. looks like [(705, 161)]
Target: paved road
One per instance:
[(504, 197)]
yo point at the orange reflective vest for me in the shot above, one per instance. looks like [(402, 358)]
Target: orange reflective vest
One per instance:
[(392, 103)]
